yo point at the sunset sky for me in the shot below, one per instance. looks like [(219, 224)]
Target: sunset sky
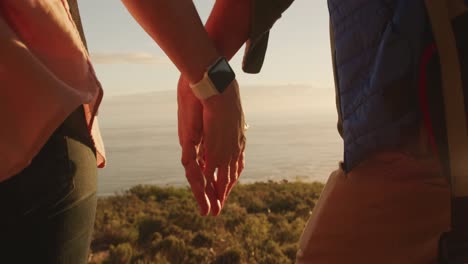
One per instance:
[(128, 61)]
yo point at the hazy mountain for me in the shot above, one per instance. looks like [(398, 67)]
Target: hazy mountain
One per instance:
[(292, 135)]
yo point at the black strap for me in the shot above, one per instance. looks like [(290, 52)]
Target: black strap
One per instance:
[(444, 16), (449, 20)]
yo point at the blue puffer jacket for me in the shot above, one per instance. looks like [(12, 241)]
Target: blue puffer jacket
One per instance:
[(378, 45)]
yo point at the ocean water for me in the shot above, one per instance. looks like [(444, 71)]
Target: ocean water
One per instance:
[(292, 136)]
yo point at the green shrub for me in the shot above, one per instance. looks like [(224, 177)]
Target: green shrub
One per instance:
[(260, 223), (199, 255), (147, 227), (290, 251), (121, 254), (202, 239), (230, 256), (173, 249)]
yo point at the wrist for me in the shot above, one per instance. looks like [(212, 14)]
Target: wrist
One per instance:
[(204, 63), (215, 80)]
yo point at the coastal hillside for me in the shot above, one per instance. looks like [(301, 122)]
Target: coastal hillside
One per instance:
[(261, 223)]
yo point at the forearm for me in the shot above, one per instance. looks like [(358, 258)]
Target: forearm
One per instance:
[(229, 25), (178, 30)]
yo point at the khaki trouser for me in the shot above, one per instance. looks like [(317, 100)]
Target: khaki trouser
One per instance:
[(392, 208)]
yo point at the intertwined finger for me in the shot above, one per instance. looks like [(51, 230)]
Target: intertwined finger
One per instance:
[(233, 175), (201, 156), (194, 176), (241, 158), (241, 163), (222, 182), (213, 196)]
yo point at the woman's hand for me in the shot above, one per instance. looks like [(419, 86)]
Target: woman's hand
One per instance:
[(190, 128)]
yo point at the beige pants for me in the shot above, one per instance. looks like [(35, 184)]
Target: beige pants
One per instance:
[(392, 208)]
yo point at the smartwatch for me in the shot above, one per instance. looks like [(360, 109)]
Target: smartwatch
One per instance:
[(215, 80)]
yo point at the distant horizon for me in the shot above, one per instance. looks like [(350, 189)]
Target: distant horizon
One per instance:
[(292, 135), (242, 87)]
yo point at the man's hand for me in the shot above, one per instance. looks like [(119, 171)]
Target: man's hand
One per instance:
[(223, 140), (190, 125)]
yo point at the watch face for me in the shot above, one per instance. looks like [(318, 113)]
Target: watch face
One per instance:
[(221, 74)]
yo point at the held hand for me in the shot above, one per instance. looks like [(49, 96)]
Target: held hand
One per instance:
[(190, 128), (223, 140)]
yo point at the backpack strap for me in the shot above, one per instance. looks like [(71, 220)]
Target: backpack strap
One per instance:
[(441, 14), (453, 246)]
